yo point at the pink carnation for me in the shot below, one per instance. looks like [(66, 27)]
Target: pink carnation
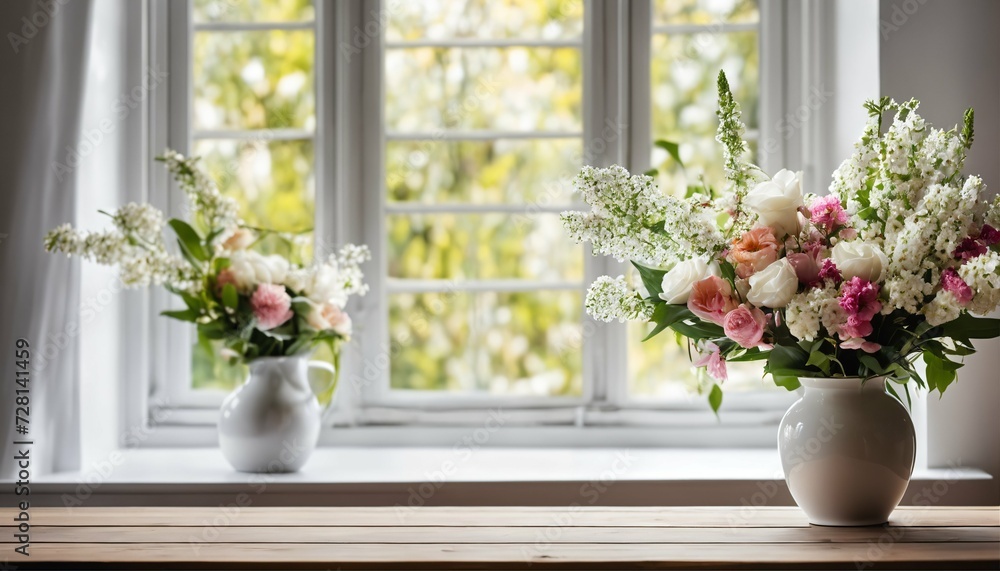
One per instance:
[(714, 362), (951, 281), (860, 298), (711, 299), (827, 213), (271, 306), (745, 325), (829, 271), (989, 235)]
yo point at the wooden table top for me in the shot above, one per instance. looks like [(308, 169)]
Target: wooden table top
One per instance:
[(237, 537)]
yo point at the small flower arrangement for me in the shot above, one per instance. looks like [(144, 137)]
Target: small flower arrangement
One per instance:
[(887, 267), (256, 305)]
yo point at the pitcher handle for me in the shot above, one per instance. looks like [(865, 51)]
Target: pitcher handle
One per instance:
[(329, 368)]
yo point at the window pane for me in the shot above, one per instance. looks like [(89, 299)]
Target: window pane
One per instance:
[(273, 182), (509, 89), (254, 80), (253, 10), (482, 246), (685, 98), (705, 11), (537, 173), (495, 19), (500, 343)]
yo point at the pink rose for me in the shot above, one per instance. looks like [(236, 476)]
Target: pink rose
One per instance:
[(271, 306), (754, 251), (711, 299), (745, 325), (714, 362)]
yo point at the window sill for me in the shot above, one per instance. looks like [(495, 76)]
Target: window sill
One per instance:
[(461, 476)]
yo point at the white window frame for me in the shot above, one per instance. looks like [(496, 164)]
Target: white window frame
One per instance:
[(349, 156)]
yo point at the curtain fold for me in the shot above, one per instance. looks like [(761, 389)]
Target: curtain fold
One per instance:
[(43, 65)]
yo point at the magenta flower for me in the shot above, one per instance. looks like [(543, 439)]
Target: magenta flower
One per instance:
[(989, 235), (969, 248), (827, 213), (951, 281), (271, 306), (829, 271), (859, 298), (714, 362)]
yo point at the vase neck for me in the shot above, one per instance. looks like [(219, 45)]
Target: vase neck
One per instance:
[(843, 383), (293, 372)]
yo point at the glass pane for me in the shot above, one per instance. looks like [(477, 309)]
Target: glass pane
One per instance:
[(253, 10), (274, 184), (494, 19), (254, 80), (499, 343), (685, 99), (537, 173), (705, 11), (509, 89), (482, 246), (660, 369)]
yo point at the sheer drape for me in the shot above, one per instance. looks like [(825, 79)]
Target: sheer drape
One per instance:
[(43, 63)]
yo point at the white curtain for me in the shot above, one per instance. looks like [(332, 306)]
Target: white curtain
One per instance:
[(43, 65)]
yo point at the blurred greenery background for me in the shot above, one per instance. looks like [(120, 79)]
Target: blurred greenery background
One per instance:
[(525, 339)]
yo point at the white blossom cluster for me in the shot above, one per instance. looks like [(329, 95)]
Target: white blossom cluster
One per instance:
[(215, 209), (982, 274), (810, 309), (610, 298), (631, 220), (905, 193), (132, 246)]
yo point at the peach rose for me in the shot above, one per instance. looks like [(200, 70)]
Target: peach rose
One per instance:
[(241, 239), (745, 325), (330, 316), (754, 251), (711, 299)]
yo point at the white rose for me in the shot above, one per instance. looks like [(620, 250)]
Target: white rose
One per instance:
[(777, 202), (250, 268), (677, 283), (861, 259), (324, 286), (773, 286)]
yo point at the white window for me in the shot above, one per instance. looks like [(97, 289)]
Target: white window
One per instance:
[(446, 134)]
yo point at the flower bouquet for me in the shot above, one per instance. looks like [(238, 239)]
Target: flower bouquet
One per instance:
[(887, 267), (265, 310)]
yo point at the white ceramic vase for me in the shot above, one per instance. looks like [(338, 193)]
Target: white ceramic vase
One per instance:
[(847, 449), (271, 423)]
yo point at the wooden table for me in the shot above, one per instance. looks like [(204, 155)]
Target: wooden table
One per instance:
[(498, 538)]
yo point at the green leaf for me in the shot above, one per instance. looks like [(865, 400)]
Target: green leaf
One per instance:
[(715, 398), (651, 172), (788, 382), (190, 315), (969, 327), (940, 372), (673, 149), (230, 298), (189, 240), (652, 279), (820, 360), (728, 272), (666, 315), (213, 330)]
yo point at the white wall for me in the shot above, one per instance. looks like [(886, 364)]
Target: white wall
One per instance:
[(945, 53)]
